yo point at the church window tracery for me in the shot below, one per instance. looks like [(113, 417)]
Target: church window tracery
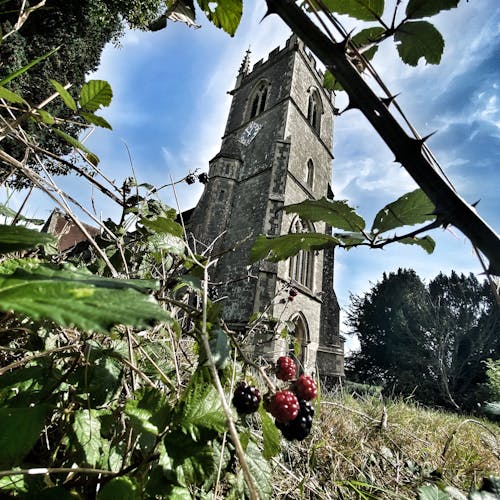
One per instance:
[(258, 99), (301, 264), (314, 109)]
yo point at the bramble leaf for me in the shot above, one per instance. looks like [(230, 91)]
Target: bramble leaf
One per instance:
[(431, 492), (94, 94), (270, 434), (13, 443), (419, 39), (75, 298), (93, 158), (411, 208), (366, 10), (96, 120), (260, 471), (225, 14), (427, 243), (417, 9), (87, 429), (149, 411), (119, 487), (282, 247), (13, 238)]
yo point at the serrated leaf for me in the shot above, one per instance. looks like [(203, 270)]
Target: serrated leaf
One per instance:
[(260, 471), (201, 407), (282, 247), (411, 208), (162, 225), (96, 120), (336, 213), (119, 487), (46, 117), (427, 243), (77, 145), (417, 39), (149, 412), (330, 82), (13, 238), (351, 239), (416, 9), (73, 298), (225, 14), (14, 445), (65, 95), (270, 434), (366, 10), (94, 94), (431, 492), (10, 96), (367, 37), (87, 429)]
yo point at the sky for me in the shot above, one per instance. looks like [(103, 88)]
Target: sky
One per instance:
[(170, 106)]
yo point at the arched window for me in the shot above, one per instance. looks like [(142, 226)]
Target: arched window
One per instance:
[(310, 173), (258, 99), (301, 264), (314, 109), (297, 348)]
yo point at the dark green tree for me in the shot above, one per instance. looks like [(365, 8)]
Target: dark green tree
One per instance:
[(431, 342)]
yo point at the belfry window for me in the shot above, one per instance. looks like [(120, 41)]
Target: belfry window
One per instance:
[(301, 264), (258, 99), (310, 173), (314, 110)]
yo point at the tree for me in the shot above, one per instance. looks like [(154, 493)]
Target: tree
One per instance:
[(431, 341)]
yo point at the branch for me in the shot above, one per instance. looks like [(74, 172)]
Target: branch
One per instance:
[(409, 151)]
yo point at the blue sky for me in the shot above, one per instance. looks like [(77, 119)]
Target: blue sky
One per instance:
[(170, 105)]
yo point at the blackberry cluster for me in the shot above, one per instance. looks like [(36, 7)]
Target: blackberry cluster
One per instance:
[(246, 398), (300, 427)]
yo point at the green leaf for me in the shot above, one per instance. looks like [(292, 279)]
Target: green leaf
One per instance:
[(94, 159), (149, 411), (87, 429), (65, 95), (46, 117), (75, 298), (15, 483), (419, 39), (201, 407), (20, 430), (94, 94), (193, 462), (366, 10), (220, 348), (119, 487), (225, 14), (330, 82), (431, 492), (8, 212), (335, 213), (96, 120), (282, 247), (270, 433), (13, 238), (25, 68), (416, 9), (162, 225), (260, 471), (411, 208), (351, 239), (367, 37), (10, 96), (427, 243)]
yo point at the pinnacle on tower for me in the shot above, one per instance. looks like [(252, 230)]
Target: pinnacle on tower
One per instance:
[(245, 64)]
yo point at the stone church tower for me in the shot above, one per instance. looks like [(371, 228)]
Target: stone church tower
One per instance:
[(276, 150)]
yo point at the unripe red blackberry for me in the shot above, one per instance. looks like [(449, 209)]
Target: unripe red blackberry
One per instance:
[(285, 368), (284, 406), (300, 427), (305, 388), (246, 398)]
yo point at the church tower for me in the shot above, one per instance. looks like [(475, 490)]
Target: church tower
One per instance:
[(276, 150)]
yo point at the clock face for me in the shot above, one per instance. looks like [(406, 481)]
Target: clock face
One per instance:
[(248, 135)]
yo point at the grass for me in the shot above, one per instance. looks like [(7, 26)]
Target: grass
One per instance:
[(366, 448)]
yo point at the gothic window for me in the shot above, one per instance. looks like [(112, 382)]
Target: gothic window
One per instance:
[(301, 264), (310, 173), (297, 348), (258, 99), (314, 110)]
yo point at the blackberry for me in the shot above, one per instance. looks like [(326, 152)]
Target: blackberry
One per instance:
[(203, 178), (285, 368), (305, 388), (293, 292), (190, 179), (246, 398), (300, 427), (284, 406)]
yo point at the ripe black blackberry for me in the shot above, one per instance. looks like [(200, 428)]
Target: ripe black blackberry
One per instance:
[(190, 179), (203, 178), (246, 398), (300, 427)]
